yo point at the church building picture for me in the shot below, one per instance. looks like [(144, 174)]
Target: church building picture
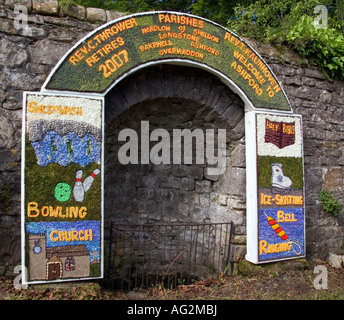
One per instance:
[(55, 263)]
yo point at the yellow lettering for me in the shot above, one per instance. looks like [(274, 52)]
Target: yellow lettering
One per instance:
[(32, 106), (265, 199), (280, 216), (285, 217), (262, 247), (71, 235), (62, 235), (57, 212), (52, 236), (88, 235), (74, 236), (33, 211), (48, 109), (73, 60), (73, 212), (32, 206), (82, 212), (45, 212)]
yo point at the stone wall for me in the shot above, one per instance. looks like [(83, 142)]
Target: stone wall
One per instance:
[(320, 102), (28, 55)]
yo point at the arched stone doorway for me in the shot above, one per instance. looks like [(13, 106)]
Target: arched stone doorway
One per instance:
[(171, 97), (117, 78), (172, 208)]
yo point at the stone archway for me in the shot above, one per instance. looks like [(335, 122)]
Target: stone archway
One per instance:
[(112, 56), (171, 97)]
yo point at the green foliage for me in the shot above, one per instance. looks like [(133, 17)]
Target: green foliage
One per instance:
[(324, 46), (64, 4), (330, 203), (291, 23), (133, 6), (216, 10)]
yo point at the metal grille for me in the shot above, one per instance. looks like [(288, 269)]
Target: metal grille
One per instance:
[(166, 254)]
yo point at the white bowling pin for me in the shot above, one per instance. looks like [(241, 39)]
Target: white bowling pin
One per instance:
[(89, 180), (78, 189)]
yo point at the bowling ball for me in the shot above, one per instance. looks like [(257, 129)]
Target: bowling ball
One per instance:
[(63, 191)]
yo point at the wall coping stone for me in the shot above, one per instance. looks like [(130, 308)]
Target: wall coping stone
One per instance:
[(46, 7), (52, 7), (96, 15)]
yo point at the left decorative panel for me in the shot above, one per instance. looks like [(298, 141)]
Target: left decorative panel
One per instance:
[(62, 188)]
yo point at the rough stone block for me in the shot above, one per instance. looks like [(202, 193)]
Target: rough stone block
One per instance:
[(7, 26), (325, 96), (11, 55), (187, 184), (45, 7), (203, 186), (62, 35), (149, 181), (5, 156), (232, 182), (239, 239), (145, 193), (47, 52), (179, 170), (336, 261), (6, 133), (195, 173), (170, 182), (161, 169), (12, 3), (113, 15), (95, 15), (77, 12), (314, 73), (148, 206), (209, 176), (204, 199), (334, 179), (233, 114), (238, 156)]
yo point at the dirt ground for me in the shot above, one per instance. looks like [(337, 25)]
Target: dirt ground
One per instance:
[(262, 284)]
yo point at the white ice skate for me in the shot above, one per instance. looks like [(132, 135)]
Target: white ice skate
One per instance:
[(280, 183)]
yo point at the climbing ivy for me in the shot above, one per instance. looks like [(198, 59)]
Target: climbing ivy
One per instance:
[(291, 23), (330, 203)]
